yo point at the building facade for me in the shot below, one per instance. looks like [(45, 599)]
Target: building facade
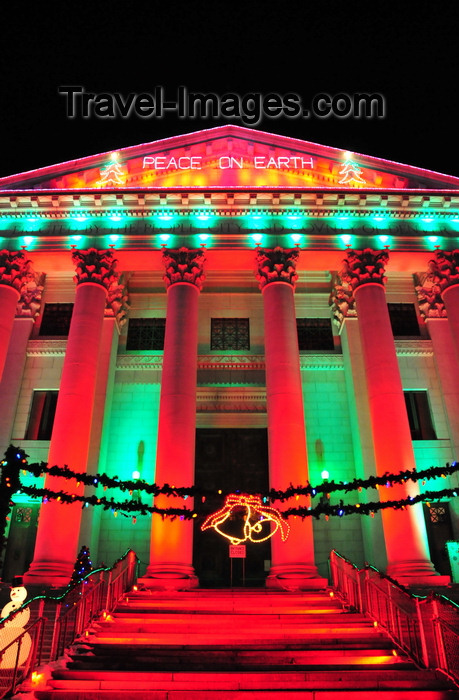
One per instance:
[(240, 311)]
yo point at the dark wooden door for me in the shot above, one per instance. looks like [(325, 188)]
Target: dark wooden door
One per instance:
[(231, 460), (439, 532), (21, 540)]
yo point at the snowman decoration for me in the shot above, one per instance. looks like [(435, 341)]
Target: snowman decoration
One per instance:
[(13, 628)]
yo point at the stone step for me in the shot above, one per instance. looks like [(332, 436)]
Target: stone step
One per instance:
[(253, 694), (268, 682), (238, 645)]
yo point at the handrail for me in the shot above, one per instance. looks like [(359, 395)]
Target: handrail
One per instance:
[(67, 615), (425, 627)]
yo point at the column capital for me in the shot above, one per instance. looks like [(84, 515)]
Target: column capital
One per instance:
[(365, 266), (184, 265), (444, 269), (29, 303), (276, 265), (342, 300), (117, 300), (14, 268), (96, 266), (428, 293)]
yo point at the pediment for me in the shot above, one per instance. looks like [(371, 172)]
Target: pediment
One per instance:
[(229, 157)]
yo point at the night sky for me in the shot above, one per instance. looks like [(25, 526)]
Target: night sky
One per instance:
[(408, 52)]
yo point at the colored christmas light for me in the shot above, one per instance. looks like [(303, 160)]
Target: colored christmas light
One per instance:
[(113, 175), (15, 462), (256, 515), (351, 173)]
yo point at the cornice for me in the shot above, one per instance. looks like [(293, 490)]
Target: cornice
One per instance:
[(46, 347), (236, 202), (321, 361), (231, 400), (414, 348)]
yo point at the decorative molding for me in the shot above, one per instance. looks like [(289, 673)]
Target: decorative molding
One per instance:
[(342, 301), (139, 362), (308, 361), (117, 301), (231, 400), (184, 265), (276, 265), (47, 348), (97, 266), (15, 269), (444, 269), (428, 293), (364, 266), (245, 362), (29, 303), (414, 348), (323, 361)]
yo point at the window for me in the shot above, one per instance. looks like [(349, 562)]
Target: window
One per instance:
[(314, 334), (403, 319), (146, 334), (42, 415), (419, 416), (229, 334), (56, 319)]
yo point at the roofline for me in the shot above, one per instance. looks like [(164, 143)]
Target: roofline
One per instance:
[(220, 132)]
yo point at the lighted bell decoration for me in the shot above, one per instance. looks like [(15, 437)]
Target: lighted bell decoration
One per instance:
[(257, 519)]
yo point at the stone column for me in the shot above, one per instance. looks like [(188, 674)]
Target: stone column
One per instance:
[(444, 273), (59, 524), (432, 309), (171, 549), (293, 560), (27, 307), (14, 272), (404, 530)]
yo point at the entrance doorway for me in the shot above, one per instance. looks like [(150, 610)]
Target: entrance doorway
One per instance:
[(439, 532), (231, 460), (21, 540)]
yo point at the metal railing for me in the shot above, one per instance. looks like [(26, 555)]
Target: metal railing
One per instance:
[(426, 628), (57, 622)]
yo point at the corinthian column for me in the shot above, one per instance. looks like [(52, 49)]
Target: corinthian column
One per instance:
[(14, 272), (404, 530), (292, 560), (59, 524), (171, 550), (444, 272)]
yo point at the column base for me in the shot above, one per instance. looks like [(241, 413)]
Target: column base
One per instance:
[(52, 574), (417, 572), (295, 577), (169, 577)]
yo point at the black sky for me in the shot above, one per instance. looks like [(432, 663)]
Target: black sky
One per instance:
[(408, 52)]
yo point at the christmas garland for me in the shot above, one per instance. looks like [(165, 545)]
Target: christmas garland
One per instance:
[(327, 487), (15, 460), (128, 507)]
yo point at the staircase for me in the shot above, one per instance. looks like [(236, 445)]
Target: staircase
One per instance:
[(239, 644)]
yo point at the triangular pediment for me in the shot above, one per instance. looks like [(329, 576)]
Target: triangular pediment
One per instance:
[(229, 157)]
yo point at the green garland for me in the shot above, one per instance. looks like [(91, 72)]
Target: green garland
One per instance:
[(130, 507), (327, 487), (15, 460)]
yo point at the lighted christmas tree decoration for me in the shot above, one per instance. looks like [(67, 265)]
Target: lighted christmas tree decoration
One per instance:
[(83, 565), (351, 173), (257, 519), (113, 175)]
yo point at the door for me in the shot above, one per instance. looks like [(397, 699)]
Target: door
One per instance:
[(439, 532), (21, 539), (231, 460)]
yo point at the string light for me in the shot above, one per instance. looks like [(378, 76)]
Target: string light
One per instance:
[(255, 517)]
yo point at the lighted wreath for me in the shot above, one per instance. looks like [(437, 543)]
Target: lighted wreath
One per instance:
[(257, 519)]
